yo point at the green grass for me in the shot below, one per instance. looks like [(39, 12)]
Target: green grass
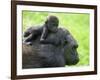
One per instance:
[(77, 24)]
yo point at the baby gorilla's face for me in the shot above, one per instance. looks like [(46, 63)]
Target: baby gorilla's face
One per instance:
[(51, 27), (52, 23)]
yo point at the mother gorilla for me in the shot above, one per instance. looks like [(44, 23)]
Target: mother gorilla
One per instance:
[(59, 49)]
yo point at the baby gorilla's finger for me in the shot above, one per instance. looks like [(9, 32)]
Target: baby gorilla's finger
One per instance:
[(29, 38)]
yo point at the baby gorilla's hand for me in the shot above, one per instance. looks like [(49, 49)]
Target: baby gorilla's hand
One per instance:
[(29, 43), (42, 40)]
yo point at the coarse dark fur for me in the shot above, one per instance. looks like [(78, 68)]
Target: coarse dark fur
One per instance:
[(59, 49), (50, 26)]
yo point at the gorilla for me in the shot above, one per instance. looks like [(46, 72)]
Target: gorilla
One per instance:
[(50, 25), (57, 49), (40, 55), (44, 57)]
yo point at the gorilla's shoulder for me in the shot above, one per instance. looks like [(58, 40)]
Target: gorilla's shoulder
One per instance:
[(63, 31)]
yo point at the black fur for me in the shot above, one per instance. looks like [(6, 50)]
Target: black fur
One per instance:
[(59, 49), (50, 46), (50, 25)]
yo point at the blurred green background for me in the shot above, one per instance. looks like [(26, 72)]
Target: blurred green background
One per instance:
[(77, 23)]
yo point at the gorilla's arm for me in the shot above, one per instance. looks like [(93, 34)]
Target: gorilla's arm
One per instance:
[(32, 33), (60, 38), (44, 34), (51, 41), (33, 30)]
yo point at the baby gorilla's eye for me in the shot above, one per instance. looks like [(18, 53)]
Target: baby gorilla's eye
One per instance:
[(53, 24)]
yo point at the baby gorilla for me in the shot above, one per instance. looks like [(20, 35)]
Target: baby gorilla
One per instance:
[(51, 25)]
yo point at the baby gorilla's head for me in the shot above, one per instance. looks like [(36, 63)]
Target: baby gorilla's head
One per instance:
[(52, 23)]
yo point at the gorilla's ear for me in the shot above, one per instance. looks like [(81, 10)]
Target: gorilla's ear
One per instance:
[(64, 41)]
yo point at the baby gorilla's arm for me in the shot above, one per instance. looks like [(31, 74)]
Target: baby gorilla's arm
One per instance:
[(53, 41), (31, 34), (29, 38), (44, 34)]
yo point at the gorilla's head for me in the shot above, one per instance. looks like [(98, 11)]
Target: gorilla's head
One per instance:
[(71, 54), (52, 23)]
